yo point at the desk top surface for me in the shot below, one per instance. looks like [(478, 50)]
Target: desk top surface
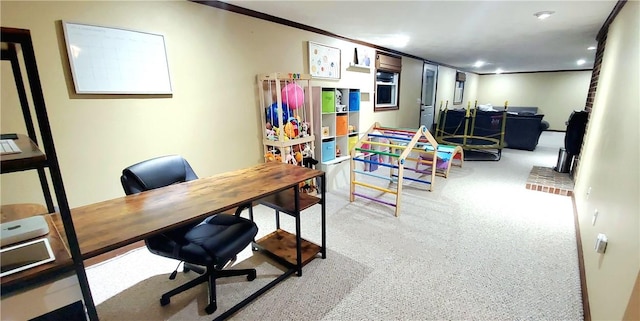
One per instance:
[(107, 225)]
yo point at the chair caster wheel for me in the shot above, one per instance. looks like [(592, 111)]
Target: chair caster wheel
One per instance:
[(164, 301), (251, 276), (211, 308)]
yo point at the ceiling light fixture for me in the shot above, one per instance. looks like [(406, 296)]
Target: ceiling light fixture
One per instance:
[(478, 64), (543, 14), (396, 41), (581, 62), (499, 71), (591, 48)]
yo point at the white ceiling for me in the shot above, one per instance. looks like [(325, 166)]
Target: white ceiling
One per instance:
[(505, 34)]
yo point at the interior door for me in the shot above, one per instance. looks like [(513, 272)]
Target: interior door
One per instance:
[(428, 99)]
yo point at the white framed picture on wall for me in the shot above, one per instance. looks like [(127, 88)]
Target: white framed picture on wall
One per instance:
[(324, 61)]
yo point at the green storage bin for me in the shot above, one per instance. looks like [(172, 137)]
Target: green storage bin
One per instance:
[(328, 101)]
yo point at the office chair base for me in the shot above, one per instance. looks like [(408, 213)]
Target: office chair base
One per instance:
[(211, 278), (195, 268), (212, 307)]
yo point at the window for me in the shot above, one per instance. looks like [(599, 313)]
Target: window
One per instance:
[(386, 88), (387, 82)]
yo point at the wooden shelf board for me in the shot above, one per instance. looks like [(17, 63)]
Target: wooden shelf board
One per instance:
[(283, 244), (63, 262), (337, 160), (31, 157), (285, 201), (290, 142), (356, 67)]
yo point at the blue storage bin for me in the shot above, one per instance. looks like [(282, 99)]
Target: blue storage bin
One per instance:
[(328, 150), (354, 100)]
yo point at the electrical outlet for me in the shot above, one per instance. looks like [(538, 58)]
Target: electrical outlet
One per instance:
[(595, 217)]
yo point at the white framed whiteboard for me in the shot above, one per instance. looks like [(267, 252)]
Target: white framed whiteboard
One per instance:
[(107, 60)]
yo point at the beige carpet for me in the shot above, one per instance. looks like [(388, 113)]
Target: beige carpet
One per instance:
[(122, 298), (479, 247)]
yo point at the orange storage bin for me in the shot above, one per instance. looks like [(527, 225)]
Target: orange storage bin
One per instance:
[(342, 125)]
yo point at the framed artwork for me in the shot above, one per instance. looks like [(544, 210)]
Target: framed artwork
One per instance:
[(324, 61), (458, 93)]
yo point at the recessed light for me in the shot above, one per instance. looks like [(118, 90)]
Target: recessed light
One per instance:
[(591, 48), (499, 71), (478, 64), (581, 62), (543, 14)]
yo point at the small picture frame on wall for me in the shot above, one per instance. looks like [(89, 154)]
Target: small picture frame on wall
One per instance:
[(324, 61), (458, 93)]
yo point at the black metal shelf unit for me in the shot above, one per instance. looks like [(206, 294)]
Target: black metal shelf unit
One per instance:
[(15, 41)]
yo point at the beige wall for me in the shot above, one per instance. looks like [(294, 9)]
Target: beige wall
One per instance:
[(212, 118), (609, 166), (446, 87), (556, 94)]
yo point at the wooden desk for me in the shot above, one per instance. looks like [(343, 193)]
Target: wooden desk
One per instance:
[(108, 225)]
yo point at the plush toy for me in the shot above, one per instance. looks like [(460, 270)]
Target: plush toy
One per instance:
[(338, 97), (298, 157), (291, 128), (270, 132), (304, 129), (271, 156), (291, 159), (306, 151)]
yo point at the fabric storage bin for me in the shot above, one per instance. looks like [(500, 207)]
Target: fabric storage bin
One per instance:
[(328, 101), (342, 125), (352, 142), (328, 150), (354, 101)]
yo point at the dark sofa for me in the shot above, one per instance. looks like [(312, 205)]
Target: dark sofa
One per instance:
[(523, 130), (524, 127)]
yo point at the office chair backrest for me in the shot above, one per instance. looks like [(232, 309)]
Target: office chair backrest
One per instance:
[(576, 127), (157, 172)]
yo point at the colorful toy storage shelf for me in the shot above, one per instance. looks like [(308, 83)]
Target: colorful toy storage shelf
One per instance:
[(287, 117), (338, 113)]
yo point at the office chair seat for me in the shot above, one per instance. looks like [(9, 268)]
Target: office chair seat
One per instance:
[(211, 243)]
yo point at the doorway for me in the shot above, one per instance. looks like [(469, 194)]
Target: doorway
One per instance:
[(428, 97)]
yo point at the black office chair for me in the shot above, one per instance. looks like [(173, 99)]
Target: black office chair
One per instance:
[(212, 243), (576, 128)]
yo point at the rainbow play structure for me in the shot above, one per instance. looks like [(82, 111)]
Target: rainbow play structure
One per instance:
[(392, 148)]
